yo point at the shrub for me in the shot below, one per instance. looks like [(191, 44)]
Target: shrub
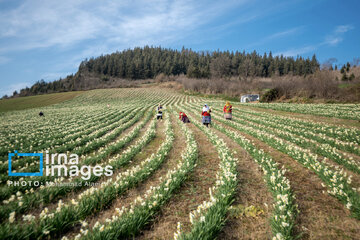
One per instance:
[(352, 76), (270, 95), (344, 77), (105, 78), (161, 78)]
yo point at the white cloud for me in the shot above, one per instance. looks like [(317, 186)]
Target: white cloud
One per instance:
[(296, 51), (38, 24), (284, 33), (343, 28), (8, 90), (42, 24), (89, 28), (332, 39), (277, 35), (337, 35)]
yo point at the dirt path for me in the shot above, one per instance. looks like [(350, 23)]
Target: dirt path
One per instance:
[(153, 180), (73, 195), (193, 192), (313, 148), (321, 215), (252, 191), (147, 151), (130, 129)]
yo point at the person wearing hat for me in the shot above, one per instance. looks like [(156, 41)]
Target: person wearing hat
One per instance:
[(228, 111), (206, 116)]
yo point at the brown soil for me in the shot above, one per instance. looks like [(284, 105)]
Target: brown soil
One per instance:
[(153, 180), (73, 195), (355, 177), (321, 215), (193, 192), (130, 129), (251, 191)]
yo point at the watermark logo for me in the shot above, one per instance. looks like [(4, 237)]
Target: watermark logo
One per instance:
[(26, 174), (57, 165)]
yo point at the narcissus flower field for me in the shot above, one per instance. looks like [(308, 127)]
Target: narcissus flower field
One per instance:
[(275, 171)]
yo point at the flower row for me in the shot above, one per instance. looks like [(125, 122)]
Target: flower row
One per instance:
[(31, 199), (127, 221), (88, 202)]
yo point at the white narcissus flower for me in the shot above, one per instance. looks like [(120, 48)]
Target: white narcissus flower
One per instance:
[(84, 224), (12, 217)]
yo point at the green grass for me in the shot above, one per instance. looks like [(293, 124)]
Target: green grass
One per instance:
[(21, 103), (344, 85)]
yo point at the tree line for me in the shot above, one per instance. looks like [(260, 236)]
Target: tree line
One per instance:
[(149, 62)]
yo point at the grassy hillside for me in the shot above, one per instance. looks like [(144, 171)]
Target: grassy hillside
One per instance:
[(36, 101)]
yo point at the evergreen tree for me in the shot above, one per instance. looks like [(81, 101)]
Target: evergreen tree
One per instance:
[(342, 70), (148, 62), (347, 67), (344, 77)]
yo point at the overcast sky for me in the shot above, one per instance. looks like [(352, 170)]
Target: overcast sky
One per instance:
[(45, 39)]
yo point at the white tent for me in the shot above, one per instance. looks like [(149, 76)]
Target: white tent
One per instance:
[(249, 98)]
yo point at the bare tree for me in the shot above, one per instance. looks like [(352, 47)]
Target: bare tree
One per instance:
[(220, 67), (356, 61), (328, 63), (247, 68)]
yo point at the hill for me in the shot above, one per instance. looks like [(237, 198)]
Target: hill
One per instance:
[(36, 101), (150, 62), (218, 72)]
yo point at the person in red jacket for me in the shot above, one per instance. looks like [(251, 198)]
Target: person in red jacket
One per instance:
[(228, 111), (183, 117), (206, 116)]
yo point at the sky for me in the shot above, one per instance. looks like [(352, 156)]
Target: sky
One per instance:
[(47, 39)]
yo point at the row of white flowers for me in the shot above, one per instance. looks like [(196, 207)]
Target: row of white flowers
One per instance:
[(63, 120), (24, 202), (337, 181), (209, 216), (344, 133), (8, 190), (286, 132), (324, 149), (285, 209), (127, 221), (346, 111), (61, 145), (63, 125), (90, 201), (61, 137), (335, 142)]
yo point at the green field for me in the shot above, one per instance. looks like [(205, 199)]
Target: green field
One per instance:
[(275, 171), (21, 103)]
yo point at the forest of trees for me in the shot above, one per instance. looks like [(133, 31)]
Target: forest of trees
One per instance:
[(149, 62)]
